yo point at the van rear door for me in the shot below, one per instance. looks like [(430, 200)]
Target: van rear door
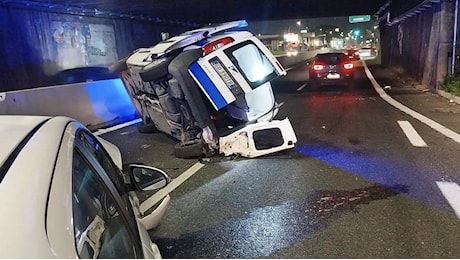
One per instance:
[(235, 69)]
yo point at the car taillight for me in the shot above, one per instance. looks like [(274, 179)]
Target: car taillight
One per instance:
[(212, 46), (348, 66), (318, 67)]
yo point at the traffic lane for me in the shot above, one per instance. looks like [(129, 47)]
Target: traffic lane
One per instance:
[(154, 149), (208, 222), (268, 207), (297, 80), (359, 132), (214, 218)]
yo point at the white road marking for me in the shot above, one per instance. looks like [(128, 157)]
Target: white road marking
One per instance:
[(155, 198), (412, 135), (436, 126), (113, 128), (290, 68), (451, 192), (302, 87)]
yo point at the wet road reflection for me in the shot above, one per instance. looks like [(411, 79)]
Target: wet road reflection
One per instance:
[(263, 231)]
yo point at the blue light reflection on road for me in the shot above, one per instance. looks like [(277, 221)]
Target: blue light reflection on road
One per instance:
[(367, 167), (383, 170)]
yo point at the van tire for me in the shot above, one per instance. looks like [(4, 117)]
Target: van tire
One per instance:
[(156, 71), (189, 150)]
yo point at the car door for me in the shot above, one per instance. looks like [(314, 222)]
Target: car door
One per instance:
[(115, 209)]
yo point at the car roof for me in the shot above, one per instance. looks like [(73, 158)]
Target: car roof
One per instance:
[(25, 178), (13, 129)]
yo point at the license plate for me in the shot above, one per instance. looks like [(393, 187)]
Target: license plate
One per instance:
[(333, 76), (223, 74)]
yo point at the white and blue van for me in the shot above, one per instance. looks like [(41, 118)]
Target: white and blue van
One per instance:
[(210, 89)]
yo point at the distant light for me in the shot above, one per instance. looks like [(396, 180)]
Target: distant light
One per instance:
[(299, 23), (291, 37)]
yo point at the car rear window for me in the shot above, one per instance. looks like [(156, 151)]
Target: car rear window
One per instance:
[(331, 58), (252, 62)]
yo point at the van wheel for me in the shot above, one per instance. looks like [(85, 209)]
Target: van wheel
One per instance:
[(157, 70), (188, 150), (146, 128)]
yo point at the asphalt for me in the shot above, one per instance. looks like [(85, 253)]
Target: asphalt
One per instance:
[(418, 97)]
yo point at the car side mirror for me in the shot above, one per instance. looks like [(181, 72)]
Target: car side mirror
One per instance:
[(147, 178)]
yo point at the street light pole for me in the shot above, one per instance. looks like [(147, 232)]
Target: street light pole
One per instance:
[(454, 43)]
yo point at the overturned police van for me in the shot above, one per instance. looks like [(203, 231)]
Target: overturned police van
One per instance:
[(210, 89)]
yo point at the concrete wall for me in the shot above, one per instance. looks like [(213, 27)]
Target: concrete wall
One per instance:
[(31, 44), (421, 44)]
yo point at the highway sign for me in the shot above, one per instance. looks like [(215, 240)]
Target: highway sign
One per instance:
[(359, 18)]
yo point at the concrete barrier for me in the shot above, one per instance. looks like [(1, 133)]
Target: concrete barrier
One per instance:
[(95, 104)]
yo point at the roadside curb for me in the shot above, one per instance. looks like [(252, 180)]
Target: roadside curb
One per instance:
[(449, 96)]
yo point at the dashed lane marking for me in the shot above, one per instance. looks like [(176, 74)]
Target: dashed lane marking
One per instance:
[(414, 138), (451, 192), (301, 87)]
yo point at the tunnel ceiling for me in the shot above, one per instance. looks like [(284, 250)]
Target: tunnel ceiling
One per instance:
[(203, 12)]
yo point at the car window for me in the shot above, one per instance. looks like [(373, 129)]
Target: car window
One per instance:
[(97, 150), (252, 62), (100, 231), (331, 58)]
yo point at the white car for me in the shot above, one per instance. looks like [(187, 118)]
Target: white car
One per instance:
[(63, 193)]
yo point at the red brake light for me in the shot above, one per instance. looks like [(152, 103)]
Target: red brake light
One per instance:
[(318, 67), (348, 66), (212, 46)]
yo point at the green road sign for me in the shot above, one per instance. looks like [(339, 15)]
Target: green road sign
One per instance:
[(359, 18)]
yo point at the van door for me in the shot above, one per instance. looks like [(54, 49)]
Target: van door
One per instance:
[(235, 69)]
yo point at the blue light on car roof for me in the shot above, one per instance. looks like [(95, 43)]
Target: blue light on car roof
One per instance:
[(242, 24)]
